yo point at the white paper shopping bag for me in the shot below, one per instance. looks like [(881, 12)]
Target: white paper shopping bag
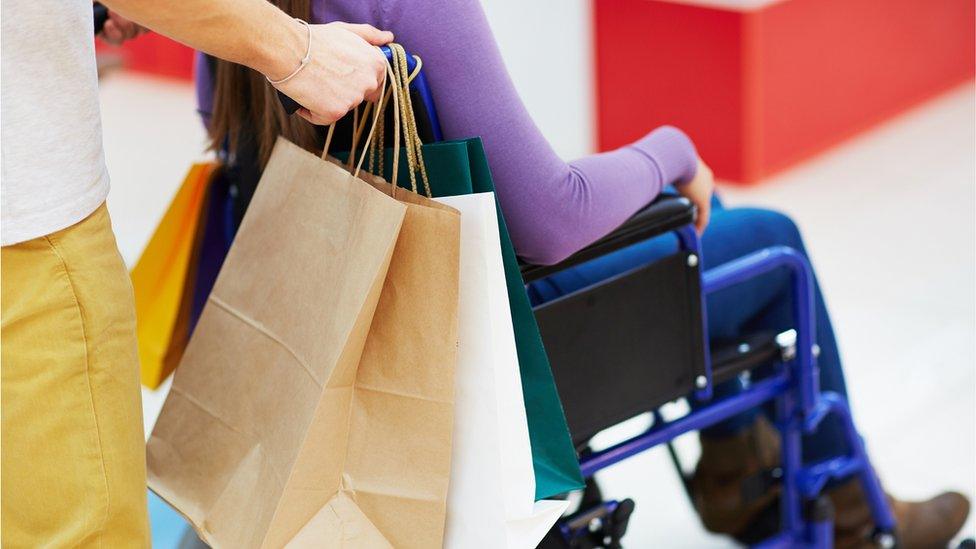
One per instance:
[(491, 499)]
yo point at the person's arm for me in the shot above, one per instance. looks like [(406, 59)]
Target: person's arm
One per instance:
[(552, 208), (344, 66)]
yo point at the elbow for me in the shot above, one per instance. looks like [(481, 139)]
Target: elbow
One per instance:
[(547, 256), (672, 152), (566, 224), (545, 249), (673, 136)]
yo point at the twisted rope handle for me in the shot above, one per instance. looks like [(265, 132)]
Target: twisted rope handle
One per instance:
[(401, 76), (413, 141)]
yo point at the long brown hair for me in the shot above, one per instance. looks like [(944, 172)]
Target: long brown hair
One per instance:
[(246, 106)]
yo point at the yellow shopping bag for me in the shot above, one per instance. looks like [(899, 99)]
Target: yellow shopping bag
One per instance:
[(161, 275)]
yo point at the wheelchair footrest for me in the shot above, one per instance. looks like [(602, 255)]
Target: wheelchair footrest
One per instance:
[(598, 527)]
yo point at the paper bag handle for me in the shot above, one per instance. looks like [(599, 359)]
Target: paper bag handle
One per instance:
[(358, 129), (413, 143), (398, 77), (401, 77)]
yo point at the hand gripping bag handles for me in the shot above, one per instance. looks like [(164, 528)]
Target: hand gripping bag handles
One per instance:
[(460, 168), (305, 411)]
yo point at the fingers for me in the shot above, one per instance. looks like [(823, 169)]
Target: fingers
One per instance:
[(353, 70), (129, 29), (374, 95), (704, 215), (118, 29), (318, 119), (111, 33), (378, 66), (370, 33)]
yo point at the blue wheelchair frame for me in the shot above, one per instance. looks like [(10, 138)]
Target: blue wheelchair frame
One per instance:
[(800, 407), (794, 387)]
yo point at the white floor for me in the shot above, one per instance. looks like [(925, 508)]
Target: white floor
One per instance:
[(889, 217)]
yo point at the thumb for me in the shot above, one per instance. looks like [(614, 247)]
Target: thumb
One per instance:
[(369, 33)]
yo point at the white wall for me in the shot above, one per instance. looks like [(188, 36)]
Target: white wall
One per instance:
[(547, 45)]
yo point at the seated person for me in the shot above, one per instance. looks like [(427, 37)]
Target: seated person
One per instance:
[(554, 208)]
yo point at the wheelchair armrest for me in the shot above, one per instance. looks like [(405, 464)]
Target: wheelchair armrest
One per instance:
[(666, 213)]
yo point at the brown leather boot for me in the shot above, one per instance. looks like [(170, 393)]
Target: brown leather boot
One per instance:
[(926, 524), (726, 464)]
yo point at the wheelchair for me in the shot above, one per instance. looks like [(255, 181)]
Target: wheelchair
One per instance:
[(642, 337)]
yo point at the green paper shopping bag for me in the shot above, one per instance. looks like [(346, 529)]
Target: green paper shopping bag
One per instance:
[(461, 167)]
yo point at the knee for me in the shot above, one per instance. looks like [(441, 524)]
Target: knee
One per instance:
[(775, 228)]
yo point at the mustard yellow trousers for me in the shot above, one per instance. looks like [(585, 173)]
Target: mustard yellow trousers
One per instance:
[(73, 450)]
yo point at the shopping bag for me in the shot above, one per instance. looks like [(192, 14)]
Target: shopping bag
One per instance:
[(460, 168), (216, 231), (159, 278), (182, 325), (491, 502), (554, 456), (399, 459), (254, 437)]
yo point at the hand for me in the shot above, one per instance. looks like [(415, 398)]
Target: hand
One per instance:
[(345, 68), (118, 29), (699, 190)]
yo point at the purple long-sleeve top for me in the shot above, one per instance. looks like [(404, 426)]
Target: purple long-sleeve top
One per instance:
[(552, 208)]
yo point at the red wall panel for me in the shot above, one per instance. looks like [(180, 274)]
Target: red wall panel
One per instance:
[(759, 90), (155, 54), (641, 83)]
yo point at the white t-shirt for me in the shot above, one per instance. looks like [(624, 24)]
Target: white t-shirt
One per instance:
[(53, 168)]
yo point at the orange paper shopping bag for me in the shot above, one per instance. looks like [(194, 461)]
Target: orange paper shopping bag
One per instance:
[(161, 274)]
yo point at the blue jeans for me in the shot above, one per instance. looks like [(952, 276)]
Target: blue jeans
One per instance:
[(761, 304)]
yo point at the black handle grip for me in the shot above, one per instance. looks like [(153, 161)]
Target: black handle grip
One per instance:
[(289, 104), (101, 16)]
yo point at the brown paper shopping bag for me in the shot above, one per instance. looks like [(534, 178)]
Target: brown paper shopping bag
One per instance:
[(398, 465), (238, 448), (252, 441), (395, 482)]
